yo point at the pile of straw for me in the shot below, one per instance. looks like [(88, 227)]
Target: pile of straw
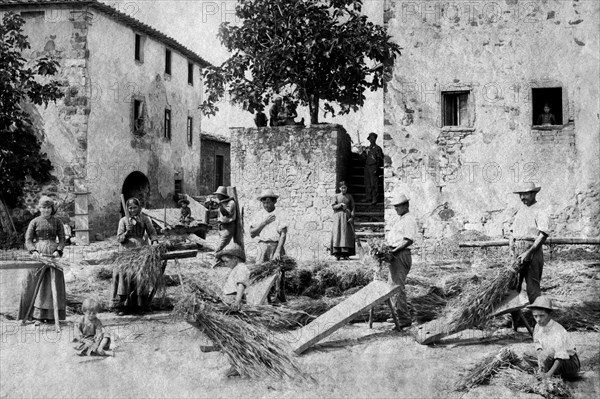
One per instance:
[(263, 270), (549, 388), (483, 371), (476, 304), (143, 264), (250, 347), (585, 316)]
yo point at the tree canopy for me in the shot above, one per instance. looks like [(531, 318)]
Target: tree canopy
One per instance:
[(315, 49), (20, 82)]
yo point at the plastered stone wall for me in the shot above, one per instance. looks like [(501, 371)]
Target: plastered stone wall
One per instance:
[(498, 51), (303, 166)]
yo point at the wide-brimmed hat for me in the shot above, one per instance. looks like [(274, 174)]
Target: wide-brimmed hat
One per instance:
[(542, 302), (399, 200), (268, 193), (183, 201), (234, 250), (372, 134), (526, 188), (221, 190)]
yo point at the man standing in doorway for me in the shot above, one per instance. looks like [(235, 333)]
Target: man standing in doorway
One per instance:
[(373, 157)]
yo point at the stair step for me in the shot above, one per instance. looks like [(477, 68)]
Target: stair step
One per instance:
[(369, 224), (368, 214), (369, 234)]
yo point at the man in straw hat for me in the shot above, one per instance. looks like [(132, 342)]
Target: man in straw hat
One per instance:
[(529, 232), (554, 350), (270, 227), (373, 157), (402, 234), (228, 214)]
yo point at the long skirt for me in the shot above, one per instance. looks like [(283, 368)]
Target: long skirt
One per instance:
[(342, 235)]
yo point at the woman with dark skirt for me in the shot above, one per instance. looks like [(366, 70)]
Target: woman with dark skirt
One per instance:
[(342, 234), (127, 297), (45, 237)]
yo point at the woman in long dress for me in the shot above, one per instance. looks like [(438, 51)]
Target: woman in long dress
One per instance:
[(127, 297), (342, 235), (45, 237)]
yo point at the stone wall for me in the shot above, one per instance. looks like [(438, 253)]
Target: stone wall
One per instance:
[(498, 53), (210, 148), (303, 166)]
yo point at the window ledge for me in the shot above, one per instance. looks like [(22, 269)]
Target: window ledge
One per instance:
[(457, 129), (139, 62), (167, 76), (548, 127)]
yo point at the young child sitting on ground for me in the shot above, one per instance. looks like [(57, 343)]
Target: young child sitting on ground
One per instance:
[(555, 353), (89, 333), (186, 213), (234, 290)]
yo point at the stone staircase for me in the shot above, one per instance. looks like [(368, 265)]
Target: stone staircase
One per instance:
[(370, 220)]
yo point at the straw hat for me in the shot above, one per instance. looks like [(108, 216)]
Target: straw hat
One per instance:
[(372, 134), (268, 193), (183, 201), (542, 302), (234, 250), (527, 188), (399, 200)]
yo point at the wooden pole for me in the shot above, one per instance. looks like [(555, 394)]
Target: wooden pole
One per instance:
[(54, 298), (124, 205), (549, 241)]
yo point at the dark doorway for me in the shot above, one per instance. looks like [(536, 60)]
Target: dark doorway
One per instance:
[(136, 185), (219, 162), (552, 96)]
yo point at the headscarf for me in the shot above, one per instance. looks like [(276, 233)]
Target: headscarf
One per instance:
[(47, 201)]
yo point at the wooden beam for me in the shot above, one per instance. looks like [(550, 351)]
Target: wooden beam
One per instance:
[(549, 241), (257, 293), (180, 254), (19, 264), (368, 297)]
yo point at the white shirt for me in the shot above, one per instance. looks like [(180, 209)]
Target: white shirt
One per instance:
[(238, 275), (272, 231), (553, 338), (403, 227), (529, 221)]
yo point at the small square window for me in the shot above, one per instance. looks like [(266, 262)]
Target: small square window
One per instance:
[(138, 116), (167, 131), (190, 130), (547, 106), (139, 48), (190, 73), (168, 61), (455, 111)]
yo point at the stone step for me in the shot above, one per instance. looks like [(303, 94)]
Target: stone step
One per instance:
[(369, 224), (369, 234), (367, 214)]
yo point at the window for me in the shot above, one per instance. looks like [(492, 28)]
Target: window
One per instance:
[(178, 186), (550, 97), (190, 130), (168, 61), (33, 14), (455, 110), (138, 116), (190, 73), (167, 132), (219, 163), (139, 48)]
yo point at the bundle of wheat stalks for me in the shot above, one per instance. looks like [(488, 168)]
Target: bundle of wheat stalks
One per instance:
[(380, 250), (519, 380), (483, 371), (251, 348), (263, 270), (476, 305), (144, 265)]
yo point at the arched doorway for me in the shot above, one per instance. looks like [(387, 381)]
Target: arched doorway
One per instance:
[(137, 185)]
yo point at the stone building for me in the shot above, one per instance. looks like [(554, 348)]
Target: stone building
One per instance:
[(462, 112), (129, 122), (215, 155)]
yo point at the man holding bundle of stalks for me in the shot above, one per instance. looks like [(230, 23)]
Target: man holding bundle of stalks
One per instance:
[(529, 232)]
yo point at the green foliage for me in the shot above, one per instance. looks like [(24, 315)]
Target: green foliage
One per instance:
[(315, 49), (21, 82)]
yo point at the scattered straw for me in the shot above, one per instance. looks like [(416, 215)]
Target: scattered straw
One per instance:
[(585, 316), (487, 368), (549, 388)]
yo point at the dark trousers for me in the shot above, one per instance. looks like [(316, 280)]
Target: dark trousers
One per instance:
[(399, 268), (226, 232), (371, 186), (531, 272)]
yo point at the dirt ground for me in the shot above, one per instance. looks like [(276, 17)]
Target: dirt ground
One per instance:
[(157, 356)]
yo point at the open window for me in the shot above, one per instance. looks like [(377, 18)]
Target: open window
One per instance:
[(190, 73), (168, 61), (138, 116), (546, 106), (139, 48), (455, 108)]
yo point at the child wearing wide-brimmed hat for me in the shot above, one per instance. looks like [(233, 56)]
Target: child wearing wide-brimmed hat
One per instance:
[(186, 213), (555, 352)]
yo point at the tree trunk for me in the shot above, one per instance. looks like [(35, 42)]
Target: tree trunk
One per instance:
[(313, 106)]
